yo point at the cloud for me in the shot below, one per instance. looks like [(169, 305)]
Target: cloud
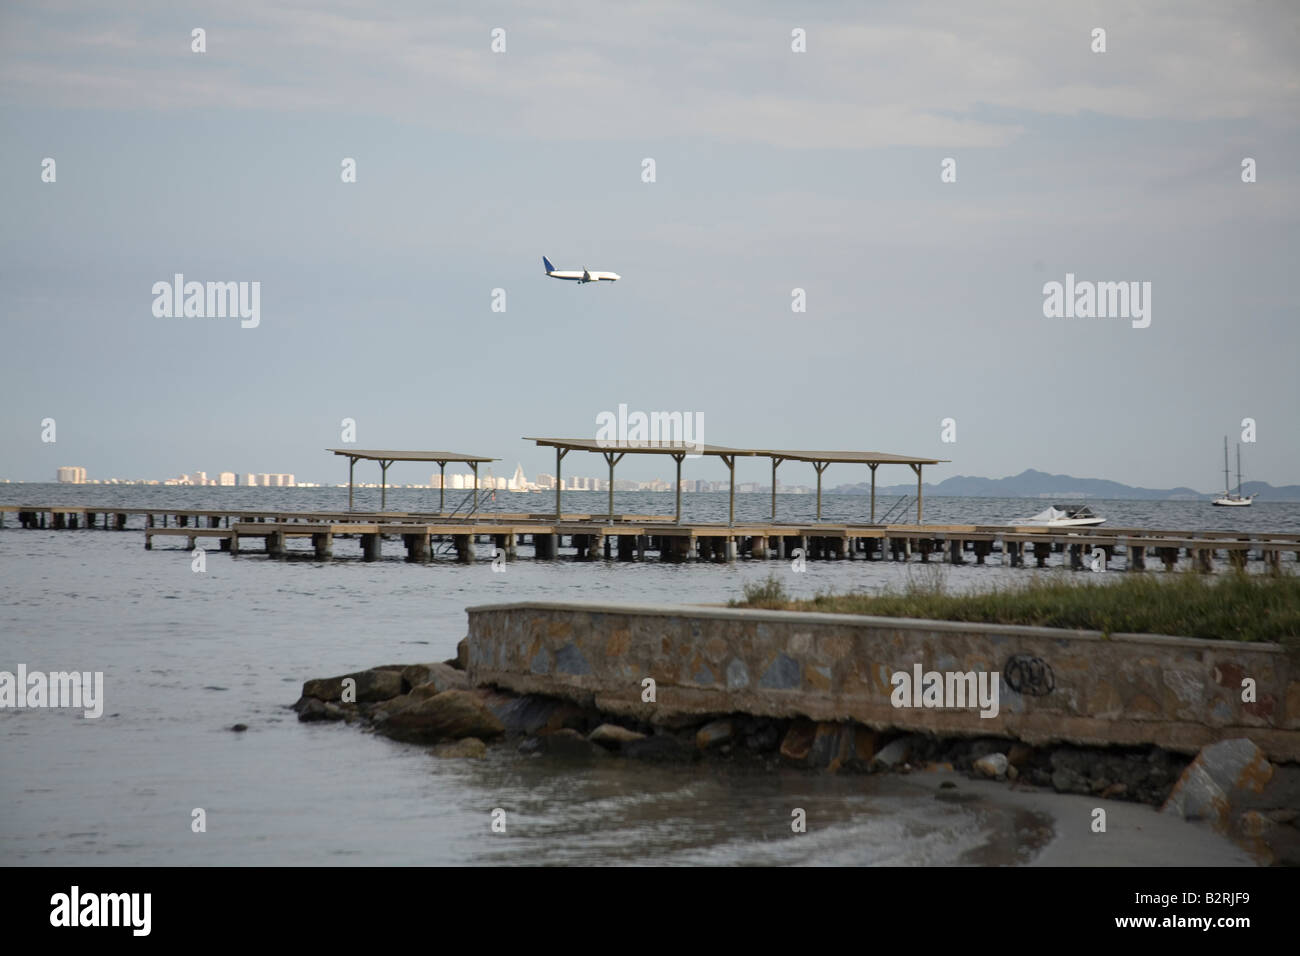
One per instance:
[(888, 75)]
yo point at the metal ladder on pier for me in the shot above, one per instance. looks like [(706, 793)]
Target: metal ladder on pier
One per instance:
[(896, 510), (475, 498)]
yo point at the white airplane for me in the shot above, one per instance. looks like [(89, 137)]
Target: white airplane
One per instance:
[(579, 276)]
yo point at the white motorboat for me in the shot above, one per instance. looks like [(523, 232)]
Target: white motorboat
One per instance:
[(1232, 499), (1064, 516)]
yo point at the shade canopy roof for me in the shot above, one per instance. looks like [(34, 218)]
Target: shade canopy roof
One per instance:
[(850, 457), (670, 448), (640, 447), (384, 455)]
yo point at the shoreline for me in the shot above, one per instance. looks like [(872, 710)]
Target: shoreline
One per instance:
[(434, 705)]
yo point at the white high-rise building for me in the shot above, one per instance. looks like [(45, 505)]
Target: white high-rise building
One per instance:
[(72, 475), (250, 480), (226, 479), (517, 481)]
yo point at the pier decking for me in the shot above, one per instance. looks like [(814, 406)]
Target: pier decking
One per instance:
[(630, 537)]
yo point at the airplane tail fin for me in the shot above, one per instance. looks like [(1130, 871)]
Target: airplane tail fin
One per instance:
[(547, 263)]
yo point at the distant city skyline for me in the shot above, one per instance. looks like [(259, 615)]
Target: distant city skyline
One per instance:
[(458, 481)]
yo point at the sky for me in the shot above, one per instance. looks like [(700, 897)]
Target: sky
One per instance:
[(774, 170)]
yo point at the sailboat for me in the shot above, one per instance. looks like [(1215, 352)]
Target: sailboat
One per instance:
[(1232, 499)]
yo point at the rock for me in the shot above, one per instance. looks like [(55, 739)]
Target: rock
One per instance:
[(462, 654), (714, 733), (661, 748), (1114, 790), (1254, 823), (763, 737), (798, 740), (391, 706), (440, 675), (892, 754), (1019, 755), (451, 714), (1066, 780), (567, 743), (994, 766), (1037, 777), (532, 714), (374, 685), (613, 737), (1206, 788), (672, 722), (239, 728), (467, 747), (865, 741), (1012, 773), (313, 710), (828, 740)]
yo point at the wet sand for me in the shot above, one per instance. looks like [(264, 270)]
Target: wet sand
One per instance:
[(1136, 834)]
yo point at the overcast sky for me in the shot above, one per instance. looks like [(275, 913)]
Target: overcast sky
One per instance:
[(775, 170)]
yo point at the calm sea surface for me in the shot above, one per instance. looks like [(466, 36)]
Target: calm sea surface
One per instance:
[(186, 655)]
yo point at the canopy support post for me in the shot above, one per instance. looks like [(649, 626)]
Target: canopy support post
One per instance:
[(612, 460), (559, 479), (917, 469), (678, 485), (873, 466), (730, 462), (383, 482)]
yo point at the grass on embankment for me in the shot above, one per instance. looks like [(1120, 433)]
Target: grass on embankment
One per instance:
[(1230, 606)]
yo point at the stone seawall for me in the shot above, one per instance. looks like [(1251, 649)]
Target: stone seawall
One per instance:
[(1079, 687)]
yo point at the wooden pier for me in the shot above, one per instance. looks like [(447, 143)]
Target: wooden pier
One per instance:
[(627, 537)]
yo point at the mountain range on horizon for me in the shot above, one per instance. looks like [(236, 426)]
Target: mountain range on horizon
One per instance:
[(1032, 483)]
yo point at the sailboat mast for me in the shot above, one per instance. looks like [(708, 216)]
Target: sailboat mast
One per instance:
[(1238, 471), (1226, 486)]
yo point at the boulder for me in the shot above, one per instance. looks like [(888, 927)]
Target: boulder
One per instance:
[(893, 754), (462, 654), (994, 766), (1066, 780), (613, 737), (1220, 771), (567, 744), (832, 746), (1019, 754), (451, 714), (467, 747), (798, 740), (661, 748), (762, 735), (312, 709), (374, 685), (437, 676), (533, 714), (713, 734)]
